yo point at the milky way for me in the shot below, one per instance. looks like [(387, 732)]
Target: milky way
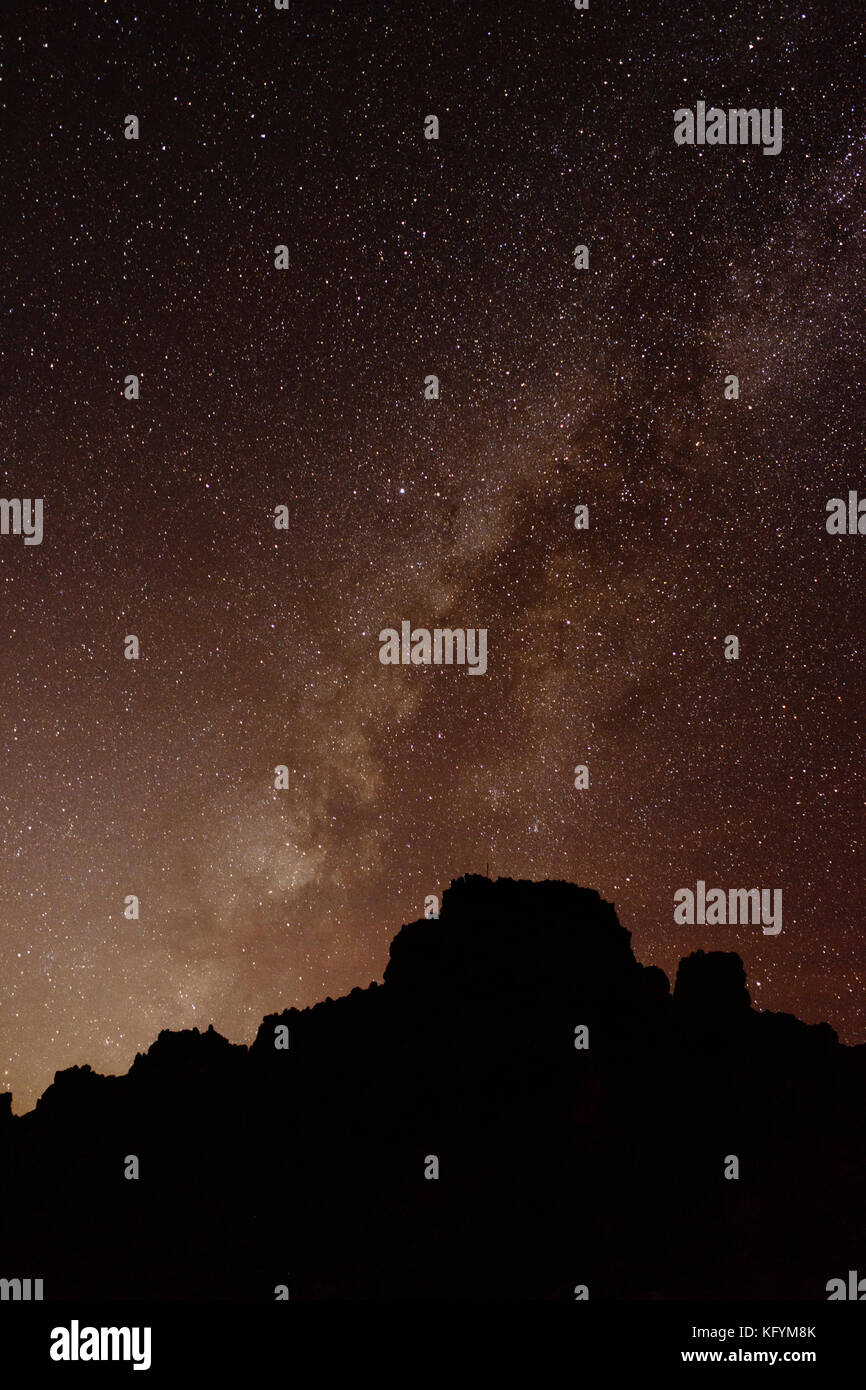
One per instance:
[(305, 388)]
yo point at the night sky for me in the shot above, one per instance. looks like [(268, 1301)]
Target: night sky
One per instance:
[(304, 388)]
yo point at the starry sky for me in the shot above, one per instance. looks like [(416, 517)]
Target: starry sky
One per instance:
[(304, 388)]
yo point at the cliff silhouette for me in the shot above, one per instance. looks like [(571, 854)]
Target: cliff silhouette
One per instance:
[(559, 1165)]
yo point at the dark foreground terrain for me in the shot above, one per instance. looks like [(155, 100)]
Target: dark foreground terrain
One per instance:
[(558, 1166)]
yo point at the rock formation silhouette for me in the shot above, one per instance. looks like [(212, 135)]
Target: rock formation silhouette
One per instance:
[(559, 1164)]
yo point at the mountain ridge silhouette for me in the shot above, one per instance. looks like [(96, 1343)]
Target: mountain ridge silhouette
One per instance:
[(561, 1164)]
